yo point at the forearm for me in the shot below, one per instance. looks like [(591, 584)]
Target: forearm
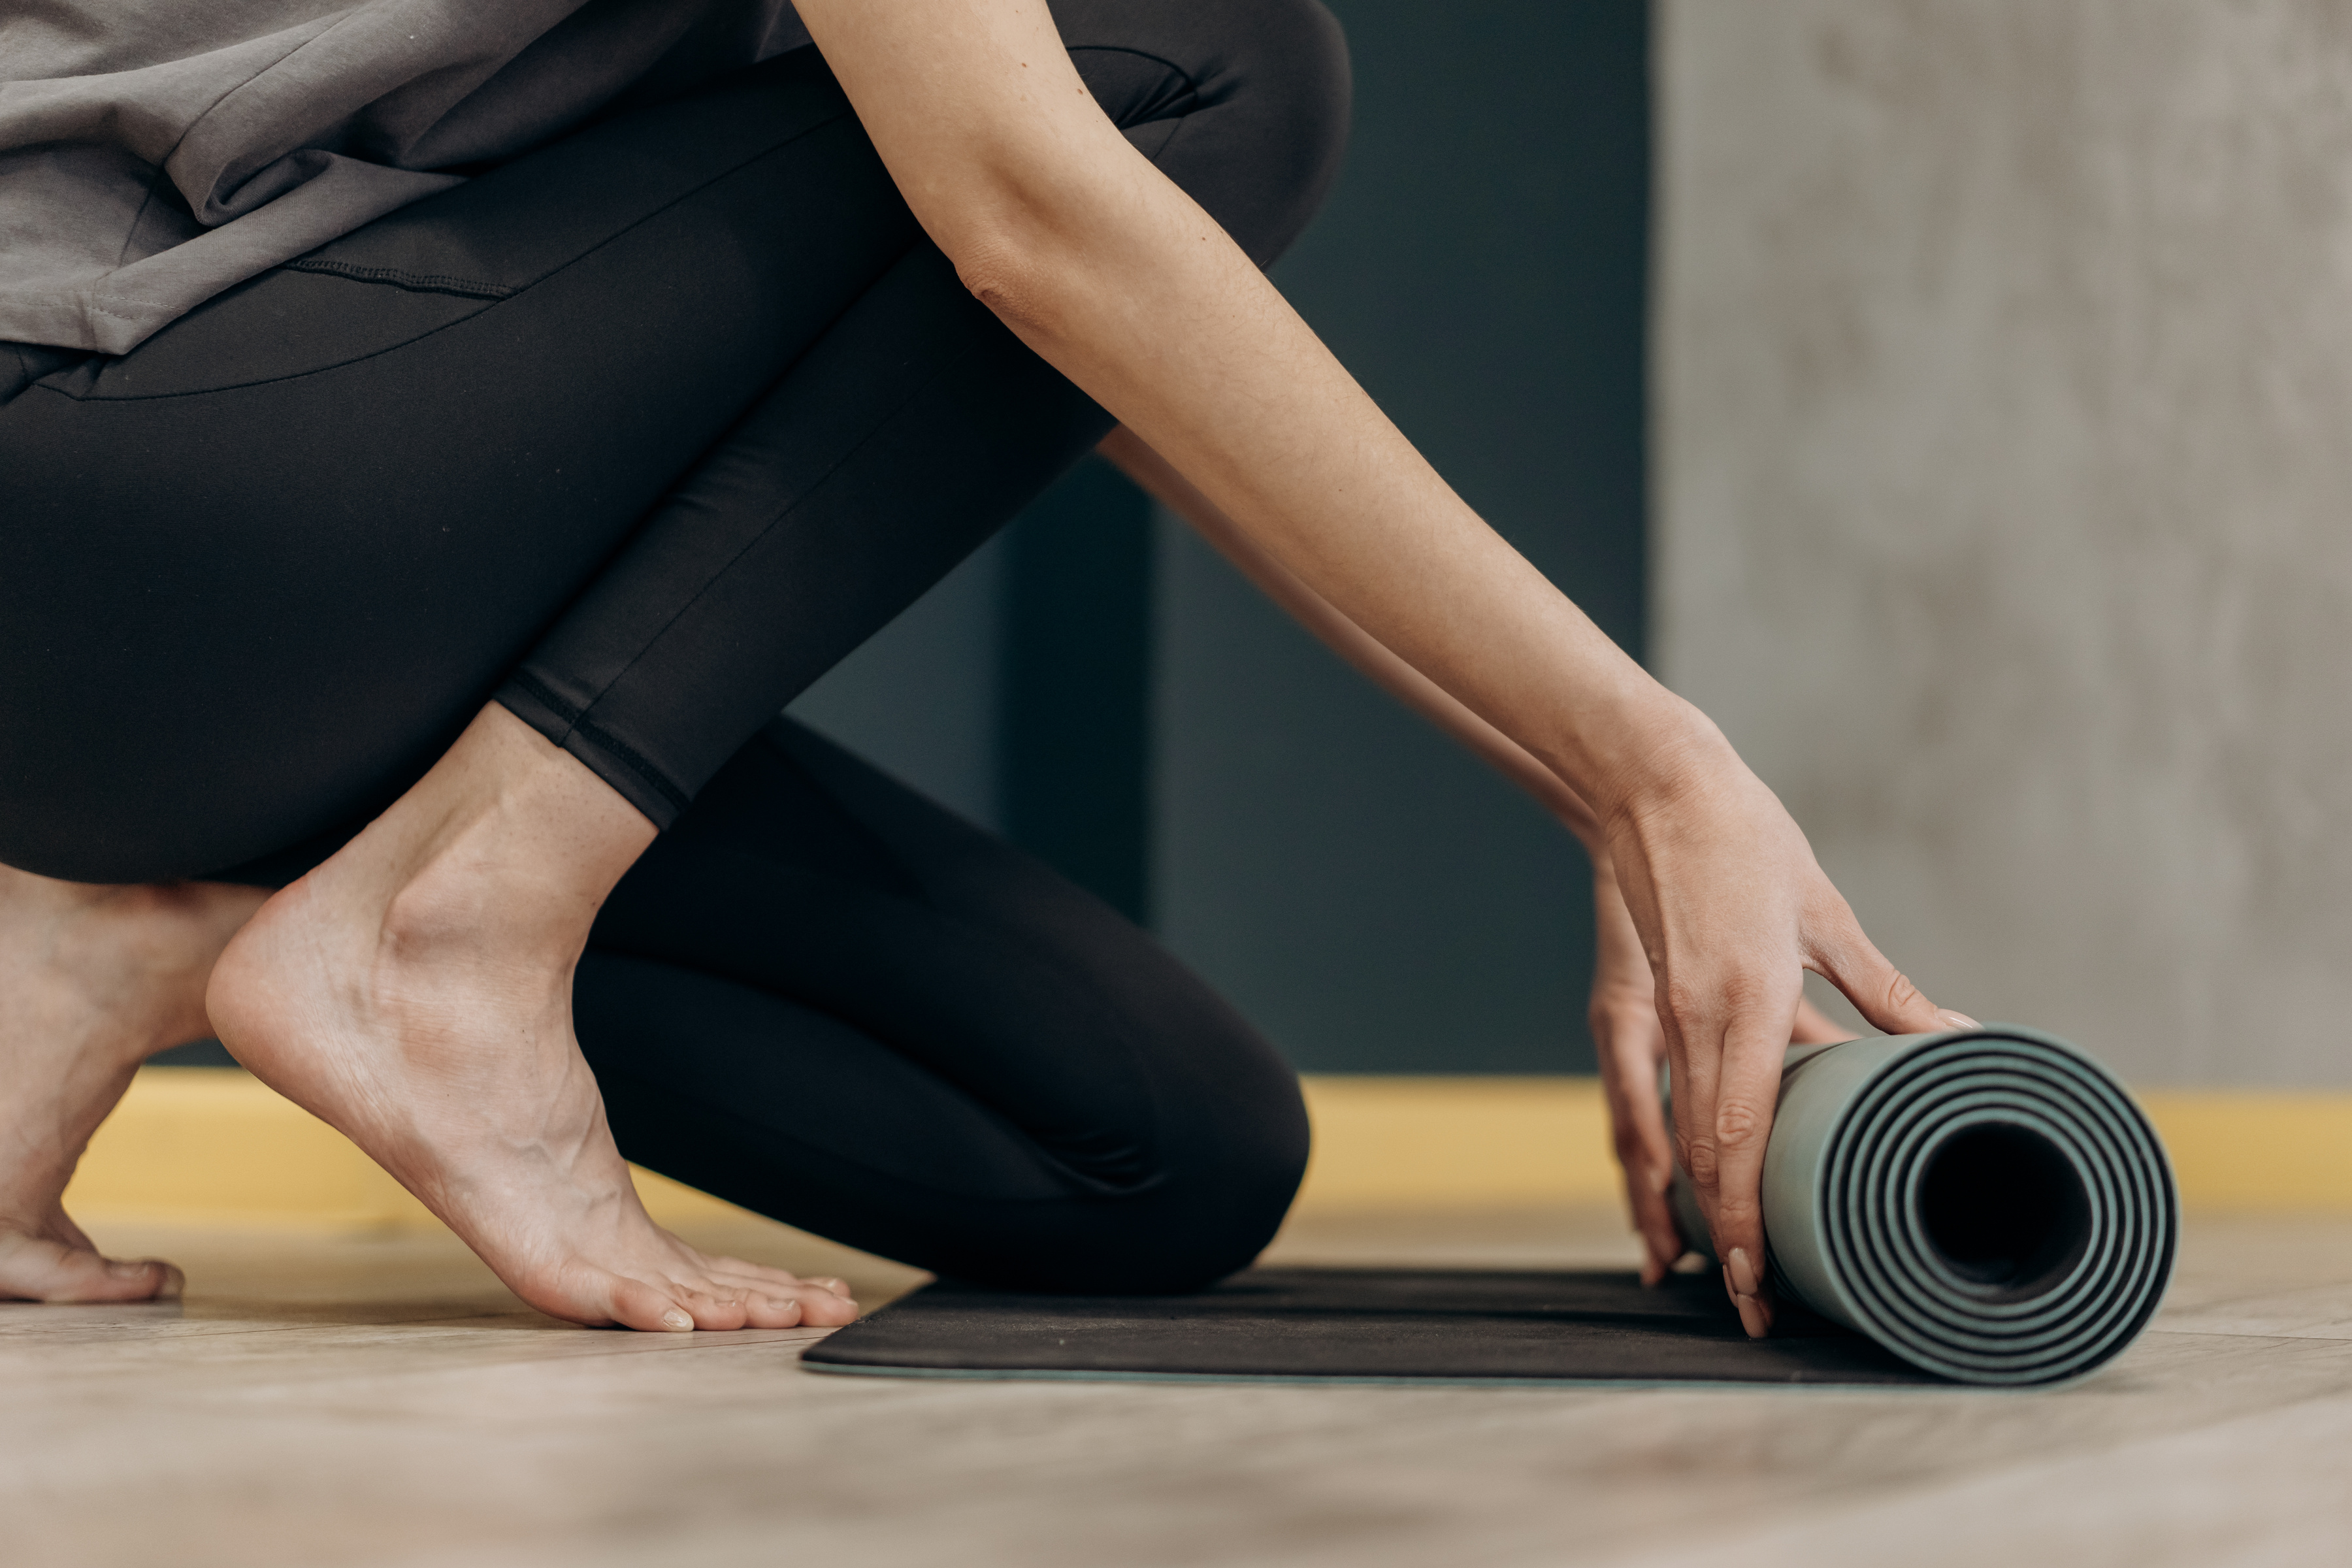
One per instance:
[(1258, 416), (1124, 284), (1370, 657)]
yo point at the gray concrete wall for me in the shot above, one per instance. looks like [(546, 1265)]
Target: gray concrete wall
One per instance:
[(2004, 445)]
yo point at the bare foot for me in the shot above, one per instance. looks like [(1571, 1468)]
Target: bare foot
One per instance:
[(415, 993), (93, 981)]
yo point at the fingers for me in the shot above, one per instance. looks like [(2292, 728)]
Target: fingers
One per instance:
[(1631, 1047), (1742, 1278), (36, 1269), (1754, 1046), (1883, 995)]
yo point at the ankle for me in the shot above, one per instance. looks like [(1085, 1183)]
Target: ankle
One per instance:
[(479, 895), (510, 845)]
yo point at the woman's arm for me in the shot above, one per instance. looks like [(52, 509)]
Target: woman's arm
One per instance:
[(1622, 1013), (1121, 282), (1158, 476)]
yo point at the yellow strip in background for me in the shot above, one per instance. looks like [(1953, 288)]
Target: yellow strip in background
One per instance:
[(2249, 1149), (207, 1143)]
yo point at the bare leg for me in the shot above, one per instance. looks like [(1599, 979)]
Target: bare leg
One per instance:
[(416, 992), (93, 981)]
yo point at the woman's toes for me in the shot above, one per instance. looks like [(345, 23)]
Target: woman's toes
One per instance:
[(773, 1312), (634, 1304), (828, 1308), (717, 1310), (171, 1284), (777, 1282), (36, 1269)]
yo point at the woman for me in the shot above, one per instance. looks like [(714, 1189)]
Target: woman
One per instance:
[(441, 443)]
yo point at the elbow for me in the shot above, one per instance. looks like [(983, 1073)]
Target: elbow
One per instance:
[(1006, 266), (1027, 241)]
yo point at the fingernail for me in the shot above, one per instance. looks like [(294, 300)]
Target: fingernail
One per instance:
[(122, 1270), (1751, 1316), (1953, 1020), (175, 1286), (1741, 1273), (678, 1320)]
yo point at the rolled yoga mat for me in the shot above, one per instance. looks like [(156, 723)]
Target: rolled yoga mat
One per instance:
[(1989, 1205)]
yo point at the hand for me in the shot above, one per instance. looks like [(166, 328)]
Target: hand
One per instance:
[(1728, 908), (1631, 1045)]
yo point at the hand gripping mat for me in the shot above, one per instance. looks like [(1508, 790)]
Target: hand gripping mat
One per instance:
[(1360, 1325), (1988, 1203)]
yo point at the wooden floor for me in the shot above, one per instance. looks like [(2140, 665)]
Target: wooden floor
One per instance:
[(340, 1400)]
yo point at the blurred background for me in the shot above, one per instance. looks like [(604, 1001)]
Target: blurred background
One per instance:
[(2004, 373), (1950, 396), (1996, 478), (1101, 687)]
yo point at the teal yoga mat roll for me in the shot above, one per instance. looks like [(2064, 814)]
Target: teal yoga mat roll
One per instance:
[(1988, 1203)]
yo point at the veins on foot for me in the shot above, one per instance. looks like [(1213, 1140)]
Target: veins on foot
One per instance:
[(415, 991)]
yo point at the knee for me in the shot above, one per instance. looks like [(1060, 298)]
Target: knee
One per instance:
[(1227, 1182), (1288, 60)]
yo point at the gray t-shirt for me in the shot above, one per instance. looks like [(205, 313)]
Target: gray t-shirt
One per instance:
[(154, 153)]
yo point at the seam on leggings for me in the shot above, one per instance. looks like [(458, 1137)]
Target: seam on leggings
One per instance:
[(769, 526), (1192, 82), (400, 278), (577, 722), (520, 288)]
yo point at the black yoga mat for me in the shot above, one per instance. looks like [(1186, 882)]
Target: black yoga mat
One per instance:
[(1362, 1325)]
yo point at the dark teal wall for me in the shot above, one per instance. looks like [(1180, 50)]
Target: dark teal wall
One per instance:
[(1367, 894), (1102, 688)]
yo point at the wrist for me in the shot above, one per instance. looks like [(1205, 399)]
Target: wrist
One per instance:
[(1658, 751)]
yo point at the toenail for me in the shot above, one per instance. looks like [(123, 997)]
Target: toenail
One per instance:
[(676, 1321)]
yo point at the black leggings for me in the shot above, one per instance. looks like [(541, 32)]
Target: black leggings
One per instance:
[(638, 434)]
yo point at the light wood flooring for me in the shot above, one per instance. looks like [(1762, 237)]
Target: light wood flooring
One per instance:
[(345, 1400)]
